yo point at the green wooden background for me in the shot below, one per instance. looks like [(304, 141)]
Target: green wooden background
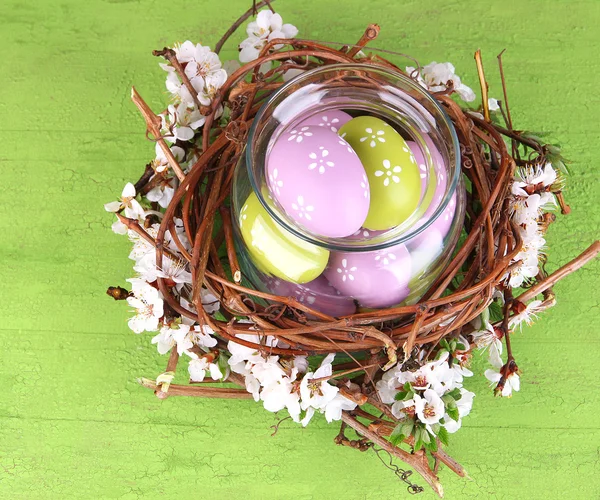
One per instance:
[(73, 421)]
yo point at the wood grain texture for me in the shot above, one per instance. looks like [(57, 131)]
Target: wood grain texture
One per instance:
[(73, 421)]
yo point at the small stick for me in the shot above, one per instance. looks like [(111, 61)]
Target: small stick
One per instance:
[(508, 118), (153, 124), (346, 372), (246, 15), (564, 208), (198, 391), (410, 341), (581, 260), (484, 86), (231, 254), (369, 35)]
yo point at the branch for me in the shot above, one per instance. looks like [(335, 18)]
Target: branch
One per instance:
[(153, 124)]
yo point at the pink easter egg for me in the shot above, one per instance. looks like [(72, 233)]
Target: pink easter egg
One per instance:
[(332, 119), (319, 181), (317, 294), (444, 221), (376, 279), (440, 174), (440, 225)]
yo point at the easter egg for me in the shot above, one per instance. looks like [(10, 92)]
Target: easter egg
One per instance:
[(391, 169), (319, 181), (318, 294), (275, 250), (376, 279), (332, 119), (438, 176), (441, 224)]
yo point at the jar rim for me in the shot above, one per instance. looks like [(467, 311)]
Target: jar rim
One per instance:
[(454, 170)]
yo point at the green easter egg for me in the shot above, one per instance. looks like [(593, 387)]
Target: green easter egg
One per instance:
[(276, 250), (391, 168)]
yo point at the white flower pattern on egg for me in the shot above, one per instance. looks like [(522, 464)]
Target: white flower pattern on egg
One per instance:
[(389, 173), (276, 184), (385, 258), (303, 210), (325, 122), (365, 185), (320, 162), (299, 134), (375, 136), (305, 297), (346, 271), (344, 143)]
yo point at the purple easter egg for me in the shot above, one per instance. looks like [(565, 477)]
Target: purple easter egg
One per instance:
[(332, 119), (317, 294), (376, 279), (440, 225), (364, 234), (319, 181)]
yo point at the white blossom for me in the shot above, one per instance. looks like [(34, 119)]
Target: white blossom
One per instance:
[(486, 338), (429, 409), (493, 104), (181, 121), (279, 395), (131, 207), (333, 409), (198, 367), (435, 77), (164, 340), (527, 316), (201, 66), (511, 383), (267, 26), (148, 305), (241, 353), (318, 394), (186, 338)]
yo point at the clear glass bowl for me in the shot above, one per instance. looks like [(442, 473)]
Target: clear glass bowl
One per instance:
[(370, 269)]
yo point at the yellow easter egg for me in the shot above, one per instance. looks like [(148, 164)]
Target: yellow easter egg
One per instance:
[(276, 250), (391, 168)]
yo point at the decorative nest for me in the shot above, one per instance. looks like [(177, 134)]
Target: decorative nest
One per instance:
[(375, 341)]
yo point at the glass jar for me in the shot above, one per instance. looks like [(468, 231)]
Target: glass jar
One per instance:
[(339, 275)]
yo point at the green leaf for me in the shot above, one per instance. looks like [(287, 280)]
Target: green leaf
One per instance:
[(432, 445), (453, 412), (425, 437), (448, 400), (407, 387), (408, 427), (454, 394), (400, 395), (444, 344), (485, 316), (496, 314), (396, 437), (460, 346), (443, 435)]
